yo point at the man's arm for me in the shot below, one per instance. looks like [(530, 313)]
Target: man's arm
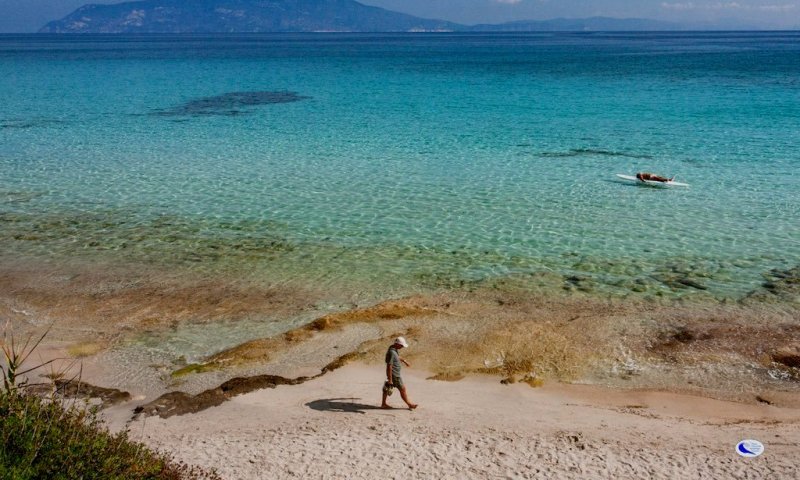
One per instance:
[(389, 373)]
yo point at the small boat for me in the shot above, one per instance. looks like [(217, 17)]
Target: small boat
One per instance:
[(651, 183)]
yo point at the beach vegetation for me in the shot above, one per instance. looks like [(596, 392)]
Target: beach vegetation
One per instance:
[(194, 368), (447, 376), (262, 349), (84, 349), (524, 351), (536, 351), (343, 360), (55, 437), (388, 310)]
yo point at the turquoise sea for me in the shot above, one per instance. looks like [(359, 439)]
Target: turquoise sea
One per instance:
[(400, 162)]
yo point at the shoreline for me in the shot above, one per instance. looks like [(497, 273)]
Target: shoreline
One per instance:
[(150, 331)]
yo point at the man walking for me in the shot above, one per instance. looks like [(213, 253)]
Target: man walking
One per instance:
[(393, 378)]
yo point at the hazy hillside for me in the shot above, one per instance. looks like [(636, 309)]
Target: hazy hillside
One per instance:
[(579, 25), (204, 16), (181, 16)]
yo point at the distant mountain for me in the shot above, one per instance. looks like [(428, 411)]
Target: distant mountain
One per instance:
[(593, 24), (221, 16), (202, 16)]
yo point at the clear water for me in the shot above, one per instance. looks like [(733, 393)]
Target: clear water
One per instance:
[(417, 160)]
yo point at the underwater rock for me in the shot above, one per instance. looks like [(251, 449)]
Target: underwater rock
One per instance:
[(28, 123), (779, 284), (231, 104), (679, 281), (580, 152), (579, 282), (691, 283), (783, 281)]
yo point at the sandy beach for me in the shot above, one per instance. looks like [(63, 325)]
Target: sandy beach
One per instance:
[(331, 428), (592, 388)]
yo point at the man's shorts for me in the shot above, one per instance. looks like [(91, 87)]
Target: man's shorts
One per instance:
[(398, 382)]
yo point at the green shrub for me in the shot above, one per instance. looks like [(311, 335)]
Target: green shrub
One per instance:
[(54, 438), (45, 439)]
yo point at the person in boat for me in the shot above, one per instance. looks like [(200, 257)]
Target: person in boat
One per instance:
[(652, 177)]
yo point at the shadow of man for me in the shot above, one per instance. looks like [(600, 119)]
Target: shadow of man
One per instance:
[(346, 405)]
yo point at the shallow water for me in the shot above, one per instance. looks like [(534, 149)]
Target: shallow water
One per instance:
[(403, 162)]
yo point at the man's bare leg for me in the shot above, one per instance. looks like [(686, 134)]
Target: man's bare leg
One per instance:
[(403, 395), (383, 402)]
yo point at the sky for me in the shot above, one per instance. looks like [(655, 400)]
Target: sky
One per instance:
[(18, 16)]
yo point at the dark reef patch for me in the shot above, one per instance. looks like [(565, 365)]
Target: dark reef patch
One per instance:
[(580, 152), (154, 238), (783, 281), (230, 104), (8, 196), (771, 344), (16, 124), (28, 123), (779, 284)]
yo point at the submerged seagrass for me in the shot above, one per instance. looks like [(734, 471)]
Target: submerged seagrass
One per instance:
[(231, 104)]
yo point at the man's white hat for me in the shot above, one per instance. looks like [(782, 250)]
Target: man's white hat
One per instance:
[(401, 341)]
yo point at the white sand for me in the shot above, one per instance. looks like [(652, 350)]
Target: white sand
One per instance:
[(330, 428)]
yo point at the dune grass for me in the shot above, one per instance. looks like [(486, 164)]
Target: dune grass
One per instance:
[(84, 349)]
